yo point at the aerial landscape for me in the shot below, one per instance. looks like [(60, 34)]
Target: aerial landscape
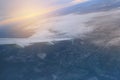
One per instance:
[(59, 40)]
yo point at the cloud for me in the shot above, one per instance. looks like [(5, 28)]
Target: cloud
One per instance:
[(90, 27), (107, 29), (67, 25), (60, 27), (99, 28)]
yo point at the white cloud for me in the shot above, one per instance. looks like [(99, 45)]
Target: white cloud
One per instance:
[(70, 25), (100, 28)]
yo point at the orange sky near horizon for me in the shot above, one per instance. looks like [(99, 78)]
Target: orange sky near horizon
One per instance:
[(31, 11)]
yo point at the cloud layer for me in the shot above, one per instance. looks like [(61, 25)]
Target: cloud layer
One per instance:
[(100, 28)]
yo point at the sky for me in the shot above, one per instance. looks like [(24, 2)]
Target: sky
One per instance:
[(17, 15), (18, 10), (20, 7), (94, 21)]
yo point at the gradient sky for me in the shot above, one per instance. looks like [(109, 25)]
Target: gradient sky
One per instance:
[(16, 11), (19, 14), (76, 19), (8, 7)]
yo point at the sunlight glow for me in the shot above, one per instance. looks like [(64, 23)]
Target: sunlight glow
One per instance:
[(25, 14), (32, 11)]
